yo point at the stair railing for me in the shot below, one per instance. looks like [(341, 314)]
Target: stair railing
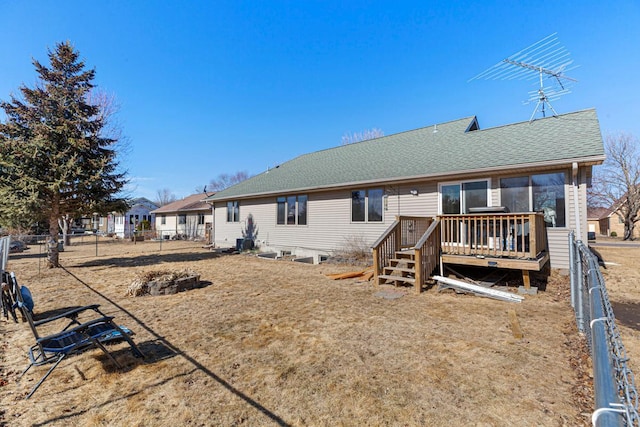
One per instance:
[(427, 254), (384, 248), (405, 232)]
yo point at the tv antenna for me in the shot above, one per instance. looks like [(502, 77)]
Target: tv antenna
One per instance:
[(545, 58)]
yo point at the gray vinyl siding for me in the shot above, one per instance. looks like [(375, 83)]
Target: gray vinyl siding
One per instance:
[(329, 226)]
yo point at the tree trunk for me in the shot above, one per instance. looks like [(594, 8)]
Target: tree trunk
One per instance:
[(53, 260), (628, 230)]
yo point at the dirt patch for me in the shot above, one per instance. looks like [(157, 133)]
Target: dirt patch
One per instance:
[(278, 343)]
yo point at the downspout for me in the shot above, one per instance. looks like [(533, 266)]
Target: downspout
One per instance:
[(213, 224), (576, 203)]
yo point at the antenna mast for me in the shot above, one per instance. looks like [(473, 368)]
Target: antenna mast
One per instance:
[(545, 58)]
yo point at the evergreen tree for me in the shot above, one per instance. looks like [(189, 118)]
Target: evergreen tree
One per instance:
[(56, 163)]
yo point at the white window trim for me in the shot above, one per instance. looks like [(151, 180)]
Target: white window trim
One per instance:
[(366, 206)]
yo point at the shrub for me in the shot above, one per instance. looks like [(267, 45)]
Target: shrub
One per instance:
[(614, 234), (355, 250)]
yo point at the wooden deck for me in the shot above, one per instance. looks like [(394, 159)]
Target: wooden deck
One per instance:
[(413, 247)]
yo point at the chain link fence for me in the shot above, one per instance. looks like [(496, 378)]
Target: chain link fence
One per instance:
[(616, 397)]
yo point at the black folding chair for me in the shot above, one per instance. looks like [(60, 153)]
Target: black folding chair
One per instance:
[(76, 337)]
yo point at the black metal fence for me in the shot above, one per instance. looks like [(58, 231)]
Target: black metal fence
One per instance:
[(616, 397)]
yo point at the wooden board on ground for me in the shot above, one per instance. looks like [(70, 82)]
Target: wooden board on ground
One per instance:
[(348, 275), (366, 276)]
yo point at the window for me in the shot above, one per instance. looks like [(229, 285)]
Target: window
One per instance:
[(291, 210), (366, 205), (182, 219), (302, 210), (233, 211), (514, 193), (282, 208), (200, 219), (458, 198), (163, 219), (548, 197), (538, 193)]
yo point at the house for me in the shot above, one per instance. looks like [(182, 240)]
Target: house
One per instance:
[(611, 221), (317, 203), (598, 219), (125, 224), (190, 217)]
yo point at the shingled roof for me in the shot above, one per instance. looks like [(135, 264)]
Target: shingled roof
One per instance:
[(446, 149), (193, 202)]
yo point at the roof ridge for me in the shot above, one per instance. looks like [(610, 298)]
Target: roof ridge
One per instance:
[(345, 146)]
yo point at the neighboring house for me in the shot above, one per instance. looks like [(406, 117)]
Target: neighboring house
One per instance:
[(317, 203), (190, 217), (611, 221), (598, 220), (124, 225)]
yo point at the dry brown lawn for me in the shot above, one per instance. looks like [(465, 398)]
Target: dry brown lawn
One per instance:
[(277, 343), (622, 277)]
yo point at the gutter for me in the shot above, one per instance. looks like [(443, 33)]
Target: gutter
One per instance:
[(576, 203)]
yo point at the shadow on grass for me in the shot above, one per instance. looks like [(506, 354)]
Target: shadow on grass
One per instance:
[(161, 347), (24, 255), (145, 260), (627, 314)]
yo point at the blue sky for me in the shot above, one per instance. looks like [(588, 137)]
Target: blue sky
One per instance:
[(216, 87)]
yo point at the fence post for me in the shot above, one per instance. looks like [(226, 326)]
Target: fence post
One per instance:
[(580, 287), (572, 269)]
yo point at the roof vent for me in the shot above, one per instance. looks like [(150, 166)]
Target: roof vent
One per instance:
[(473, 125)]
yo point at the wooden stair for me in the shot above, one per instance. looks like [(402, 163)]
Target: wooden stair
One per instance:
[(401, 269)]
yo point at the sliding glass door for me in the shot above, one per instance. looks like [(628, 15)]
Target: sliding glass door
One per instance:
[(458, 198)]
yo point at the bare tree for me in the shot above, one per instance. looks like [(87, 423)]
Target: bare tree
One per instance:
[(224, 180), (617, 182), (164, 197), (350, 138)]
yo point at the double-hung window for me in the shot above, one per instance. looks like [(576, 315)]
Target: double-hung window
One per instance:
[(233, 211), (182, 219), (366, 205), (292, 210)]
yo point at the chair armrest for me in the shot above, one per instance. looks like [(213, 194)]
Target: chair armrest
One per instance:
[(71, 314), (79, 330)]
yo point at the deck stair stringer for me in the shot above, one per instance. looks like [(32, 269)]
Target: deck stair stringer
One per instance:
[(401, 269)]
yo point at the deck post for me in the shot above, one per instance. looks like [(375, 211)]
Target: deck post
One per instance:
[(418, 267), (376, 267), (526, 279)]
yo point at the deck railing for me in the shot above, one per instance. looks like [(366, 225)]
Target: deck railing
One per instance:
[(403, 233), (513, 235)]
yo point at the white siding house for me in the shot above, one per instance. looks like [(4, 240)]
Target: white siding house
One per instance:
[(189, 218), (124, 225)]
